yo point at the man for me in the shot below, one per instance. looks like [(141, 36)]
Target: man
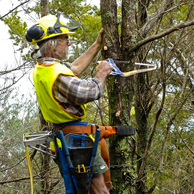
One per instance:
[(61, 94)]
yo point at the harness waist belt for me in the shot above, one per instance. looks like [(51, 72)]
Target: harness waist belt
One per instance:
[(77, 129), (106, 131)]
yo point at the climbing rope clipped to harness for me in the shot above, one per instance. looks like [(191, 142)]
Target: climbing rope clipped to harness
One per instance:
[(29, 166), (117, 71)]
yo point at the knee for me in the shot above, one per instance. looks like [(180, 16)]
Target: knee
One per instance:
[(98, 186)]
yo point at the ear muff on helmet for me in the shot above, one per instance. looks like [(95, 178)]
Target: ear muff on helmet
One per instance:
[(35, 32)]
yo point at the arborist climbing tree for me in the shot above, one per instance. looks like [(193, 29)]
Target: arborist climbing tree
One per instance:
[(129, 34), (60, 93)]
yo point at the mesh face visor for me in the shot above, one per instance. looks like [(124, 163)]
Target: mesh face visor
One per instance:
[(66, 22)]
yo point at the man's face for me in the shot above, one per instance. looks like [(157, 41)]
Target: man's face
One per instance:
[(63, 44)]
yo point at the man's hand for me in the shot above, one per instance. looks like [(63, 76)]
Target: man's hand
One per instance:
[(80, 64), (99, 38), (103, 70)]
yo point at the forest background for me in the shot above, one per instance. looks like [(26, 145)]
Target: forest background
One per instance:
[(158, 104)]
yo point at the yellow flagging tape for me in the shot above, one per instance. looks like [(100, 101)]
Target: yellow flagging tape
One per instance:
[(30, 168)]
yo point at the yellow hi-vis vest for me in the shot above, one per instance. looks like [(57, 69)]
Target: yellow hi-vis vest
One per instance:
[(44, 77)]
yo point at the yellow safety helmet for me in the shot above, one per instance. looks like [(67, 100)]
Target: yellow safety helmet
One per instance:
[(50, 26)]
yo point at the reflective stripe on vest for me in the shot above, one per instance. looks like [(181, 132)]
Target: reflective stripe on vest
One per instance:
[(44, 77)]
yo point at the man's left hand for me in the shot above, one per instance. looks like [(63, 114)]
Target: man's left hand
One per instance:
[(99, 38)]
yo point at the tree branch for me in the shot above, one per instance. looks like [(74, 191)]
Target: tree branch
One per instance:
[(160, 35), (15, 180), (14, 9), (184, 140), (166, 137), (158, 15), (152, 133), (13, 165)]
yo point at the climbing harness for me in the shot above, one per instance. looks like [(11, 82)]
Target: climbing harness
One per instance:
[(117, 71), (77, 171)]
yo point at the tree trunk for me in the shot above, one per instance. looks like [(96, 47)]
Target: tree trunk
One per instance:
[(44, 8), (45, 159), (120, 90), (142, 129)]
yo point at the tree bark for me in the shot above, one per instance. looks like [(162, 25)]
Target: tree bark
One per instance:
[(45, 180), (44, 8), (120, 90)]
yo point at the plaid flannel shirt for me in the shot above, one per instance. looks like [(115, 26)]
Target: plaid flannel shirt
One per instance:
[(71, 92)]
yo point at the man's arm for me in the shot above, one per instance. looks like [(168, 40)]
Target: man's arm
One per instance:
[(78, 91), (80, 64)]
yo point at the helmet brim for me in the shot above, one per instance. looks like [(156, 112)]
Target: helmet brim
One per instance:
[(52, 36)]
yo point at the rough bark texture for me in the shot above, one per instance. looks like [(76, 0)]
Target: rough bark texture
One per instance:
[(142, 100), (44, 8), (120, 89), (46, 184)]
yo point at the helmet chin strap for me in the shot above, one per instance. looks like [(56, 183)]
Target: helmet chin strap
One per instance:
[(35, 51)]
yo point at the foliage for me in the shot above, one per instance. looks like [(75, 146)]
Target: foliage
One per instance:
[(18, 116), (161, 99), (169, 165), (17, 29)]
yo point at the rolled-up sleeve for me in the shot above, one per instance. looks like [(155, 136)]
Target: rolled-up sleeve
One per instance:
[(77, 91)]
